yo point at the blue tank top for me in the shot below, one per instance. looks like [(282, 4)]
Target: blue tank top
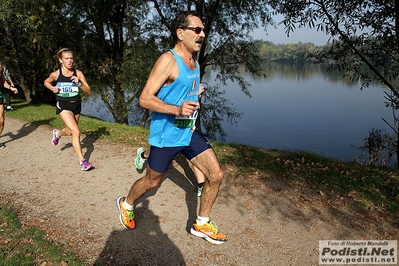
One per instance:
[(169, 130)]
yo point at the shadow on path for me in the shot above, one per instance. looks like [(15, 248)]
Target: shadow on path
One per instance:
[(26, 129), (187, 182), (145, 245), (88, 141)]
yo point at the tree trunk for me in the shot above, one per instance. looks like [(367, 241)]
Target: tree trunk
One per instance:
[(145, 118), (22, 80), (25, 89), (119, 110)]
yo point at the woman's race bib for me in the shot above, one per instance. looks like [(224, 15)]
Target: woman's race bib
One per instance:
[(67, 89)]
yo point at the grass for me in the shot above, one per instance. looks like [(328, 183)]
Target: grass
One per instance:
[(372, 185), (21, 245), (44, 114)]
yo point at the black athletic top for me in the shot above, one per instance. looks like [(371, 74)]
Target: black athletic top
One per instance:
[(69, 91)]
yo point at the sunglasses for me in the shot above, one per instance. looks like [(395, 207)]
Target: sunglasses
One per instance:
[(197, 30)]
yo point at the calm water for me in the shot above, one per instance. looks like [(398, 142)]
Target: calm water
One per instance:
[(299, 109)]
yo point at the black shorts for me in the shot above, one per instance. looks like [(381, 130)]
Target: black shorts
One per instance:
[(160, 158), (75, 107)]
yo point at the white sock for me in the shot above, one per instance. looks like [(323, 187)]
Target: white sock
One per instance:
[(127, 206), (202, 220)]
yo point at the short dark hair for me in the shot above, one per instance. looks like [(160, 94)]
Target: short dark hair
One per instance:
[(181, 22)]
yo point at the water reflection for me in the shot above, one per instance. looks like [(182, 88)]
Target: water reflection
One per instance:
[(307, 109)]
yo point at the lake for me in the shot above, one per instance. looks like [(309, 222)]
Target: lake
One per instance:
[(298, 107)]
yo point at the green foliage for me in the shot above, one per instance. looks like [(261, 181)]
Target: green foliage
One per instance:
[(32, 32), (379, 148), (286, 52), (104, 50)]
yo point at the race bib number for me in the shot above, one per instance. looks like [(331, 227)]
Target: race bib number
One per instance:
[(186, 121), (67, 87)]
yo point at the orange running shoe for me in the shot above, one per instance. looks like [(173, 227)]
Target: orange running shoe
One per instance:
[(126, 217), (209, 232)]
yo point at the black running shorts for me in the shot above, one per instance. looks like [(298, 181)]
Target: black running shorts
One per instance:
[(75, 107)]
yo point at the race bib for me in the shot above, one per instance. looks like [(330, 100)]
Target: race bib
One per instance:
[(67, 89), (186, 121)]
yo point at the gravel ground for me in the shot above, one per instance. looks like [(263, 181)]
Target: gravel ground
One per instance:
[(269, 220)]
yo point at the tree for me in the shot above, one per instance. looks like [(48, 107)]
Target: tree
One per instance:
[(29, 39), (111, 29), (364, 36), (102, 33)]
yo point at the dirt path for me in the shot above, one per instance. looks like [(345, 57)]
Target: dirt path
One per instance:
[(269, 221)]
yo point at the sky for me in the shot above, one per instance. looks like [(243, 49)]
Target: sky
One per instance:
[(278, 35)]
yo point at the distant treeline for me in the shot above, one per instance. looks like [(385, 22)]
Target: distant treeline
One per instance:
[(296, 52)]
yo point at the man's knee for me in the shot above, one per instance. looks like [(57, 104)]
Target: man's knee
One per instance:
[(154, 183), (217, 175), (153, 178)]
